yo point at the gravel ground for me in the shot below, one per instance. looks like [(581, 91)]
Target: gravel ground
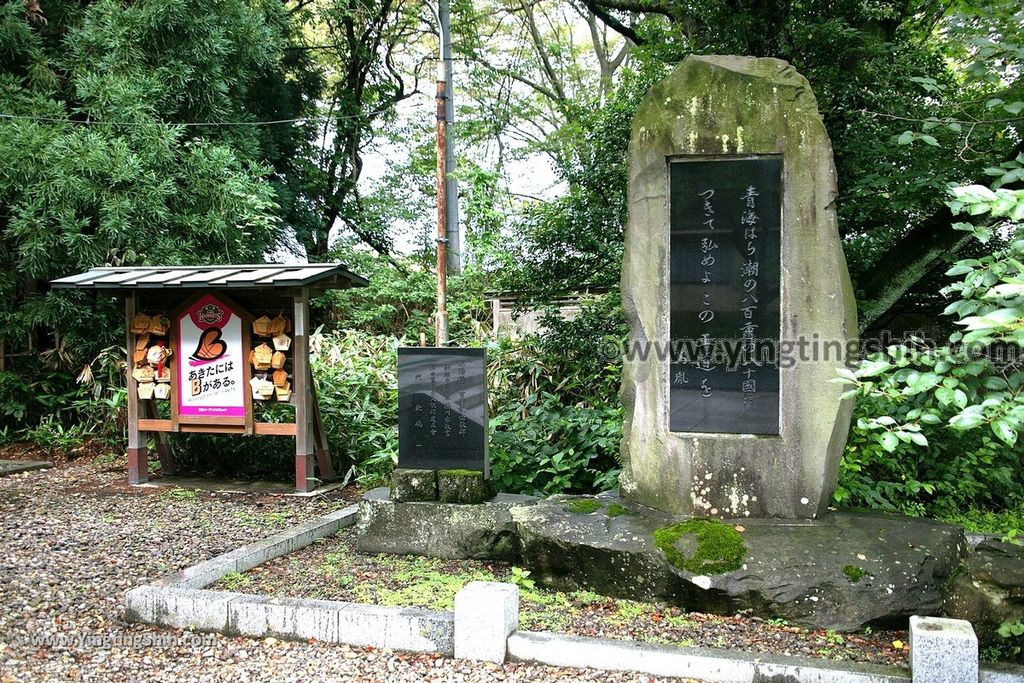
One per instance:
[(331, 569), (76, 537)]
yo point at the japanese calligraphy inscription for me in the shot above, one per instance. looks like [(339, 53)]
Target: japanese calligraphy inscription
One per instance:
[(725, 244), (442, 409)]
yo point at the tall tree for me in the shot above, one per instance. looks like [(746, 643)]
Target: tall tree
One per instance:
[(125, 140)]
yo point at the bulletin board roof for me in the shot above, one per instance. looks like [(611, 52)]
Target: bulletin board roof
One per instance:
[(261, 276)]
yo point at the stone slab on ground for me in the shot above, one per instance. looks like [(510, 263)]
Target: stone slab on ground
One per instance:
[(691, 662), (843, 571), (449, 531), (17, 466)]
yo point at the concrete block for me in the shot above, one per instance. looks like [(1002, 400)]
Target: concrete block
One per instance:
[(254, 554), (721, 666), (398, 628), (287, 618), (179, 607), (486, 613), (943, 651)]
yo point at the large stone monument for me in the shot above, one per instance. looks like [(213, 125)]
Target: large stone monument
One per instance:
[(737, 295)]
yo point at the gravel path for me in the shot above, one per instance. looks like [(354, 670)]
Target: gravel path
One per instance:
[(75, 537)]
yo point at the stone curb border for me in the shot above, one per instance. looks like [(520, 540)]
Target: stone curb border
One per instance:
[(485, 620), (178, 601), (9, 467)]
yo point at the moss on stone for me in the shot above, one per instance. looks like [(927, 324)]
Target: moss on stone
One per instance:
[(461, 473), (614, 510), (854, 573), (719, 548), (583, 506)]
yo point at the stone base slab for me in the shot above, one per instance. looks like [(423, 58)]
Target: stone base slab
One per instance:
[(450, 531)]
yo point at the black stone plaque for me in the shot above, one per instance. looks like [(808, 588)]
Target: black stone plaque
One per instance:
[(726, 216), (442, 408)]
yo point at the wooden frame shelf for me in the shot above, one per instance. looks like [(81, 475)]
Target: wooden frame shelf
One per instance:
[(259, 428), (254, 289)]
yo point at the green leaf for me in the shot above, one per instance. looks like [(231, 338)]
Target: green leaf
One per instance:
[(960, 399), (889, 441), (1002, 429)]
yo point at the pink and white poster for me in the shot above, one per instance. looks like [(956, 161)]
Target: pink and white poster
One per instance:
[(211, 369)]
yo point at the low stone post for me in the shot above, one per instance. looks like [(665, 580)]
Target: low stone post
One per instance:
[(486, 613), (943, 651)]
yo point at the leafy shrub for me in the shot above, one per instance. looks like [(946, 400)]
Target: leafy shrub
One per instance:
[(939, 426), (555, 414), (54, 411), (957, 471)]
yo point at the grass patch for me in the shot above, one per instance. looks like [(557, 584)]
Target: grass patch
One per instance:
[(235, 580), (181, 494), (1007, 524), (719, 548)]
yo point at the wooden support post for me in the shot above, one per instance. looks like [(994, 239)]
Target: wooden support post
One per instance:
[(303, 396), (323, 453), (138, 455), (168, 465)]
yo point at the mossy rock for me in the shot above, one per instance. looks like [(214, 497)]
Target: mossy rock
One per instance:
[(462, 487), (413, 485), (712, 547)]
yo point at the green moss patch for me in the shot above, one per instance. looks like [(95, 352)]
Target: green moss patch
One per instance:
[(718, 548), (854, 573), (614, 510), (461, 473), (583, 506)]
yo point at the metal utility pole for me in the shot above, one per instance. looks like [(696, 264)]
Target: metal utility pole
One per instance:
[(441, 316), (448, 242)]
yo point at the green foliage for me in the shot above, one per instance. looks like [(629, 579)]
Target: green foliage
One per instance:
[(1012, 644), (1007, 524), (718, 548), (95, 173), (956, 471), (233, 581), (521, 578), (555, 413), (401, 299), (969, 393), (54, 412)]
